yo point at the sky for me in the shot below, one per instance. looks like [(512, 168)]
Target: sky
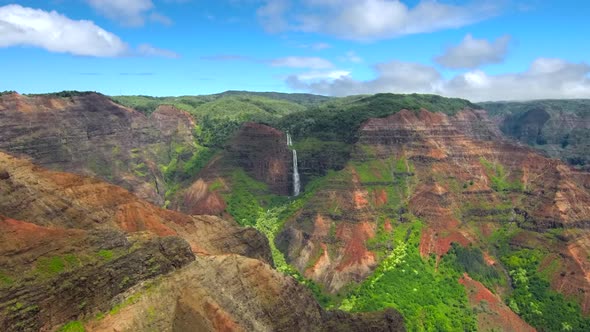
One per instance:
[(475, 49)]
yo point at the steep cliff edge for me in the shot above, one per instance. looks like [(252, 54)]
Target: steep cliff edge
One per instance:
[(248, 296), (91, 135), (256, 151), (446, 179), (94, 254), (56, 199), (53, 275), (558, 128)]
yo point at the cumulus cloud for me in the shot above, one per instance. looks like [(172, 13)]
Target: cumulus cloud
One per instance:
[(302, 62), (472, 53), (130, 12), (56, 33), (402, 77), (369, 19), (545, 78), (22, 26)]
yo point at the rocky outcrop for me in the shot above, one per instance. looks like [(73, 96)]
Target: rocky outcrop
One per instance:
[(52, 275), (247, 296), (327, 239), (262, 152), (259, 150), (91, 135), (55, 199), (492, 313)]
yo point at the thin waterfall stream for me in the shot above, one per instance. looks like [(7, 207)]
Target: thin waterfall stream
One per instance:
[(296, 179)]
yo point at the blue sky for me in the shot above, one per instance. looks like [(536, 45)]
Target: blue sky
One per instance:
[(475, 49)]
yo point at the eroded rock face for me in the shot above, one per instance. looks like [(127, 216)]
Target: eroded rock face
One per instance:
[(327, 240), (233, 293), (52, 275), (259, 150), (444, 149), (558, 130), (55, 199), (85, 246), (262, 152), (91, 135), (492, 313), (448, 171)]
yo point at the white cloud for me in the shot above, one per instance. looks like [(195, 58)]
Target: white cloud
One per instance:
[(22, 26), (323, 75), (472, 53), (402, 77), (369, 19), (149, 50), (302, 62), (128, 12), (56, 33), (545, 78)]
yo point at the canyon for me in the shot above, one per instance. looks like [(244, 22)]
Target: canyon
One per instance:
[(280, 231)]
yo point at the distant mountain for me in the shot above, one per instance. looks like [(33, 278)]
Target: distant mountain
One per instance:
[(559, 128), (305, 99)]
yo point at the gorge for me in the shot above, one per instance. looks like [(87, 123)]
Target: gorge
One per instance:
[(403, 212)]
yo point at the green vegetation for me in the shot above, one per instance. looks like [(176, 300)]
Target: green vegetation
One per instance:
[(242, 203), (339, 119), (270, 221), (50, 266), (429, 298), (64, 94), (73, 326), (323, 155), (534, 300), (532, 297), (127, 302), (499, 177), (240, 107), (106, 255), (471, 260), (5, 280), (7, 92)]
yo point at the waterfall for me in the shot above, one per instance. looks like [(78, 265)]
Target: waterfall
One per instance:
[(296, 181)]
